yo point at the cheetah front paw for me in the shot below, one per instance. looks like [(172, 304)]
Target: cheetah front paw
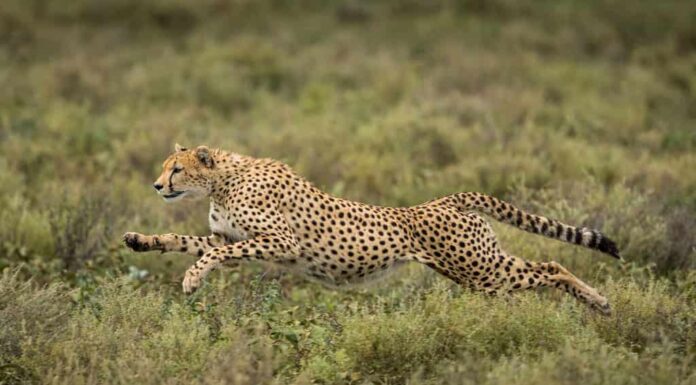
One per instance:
[(140, 242), (602, 306), (192, 281), (136, 241)]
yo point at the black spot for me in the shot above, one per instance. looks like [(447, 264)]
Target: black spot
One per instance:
[(519, 218)]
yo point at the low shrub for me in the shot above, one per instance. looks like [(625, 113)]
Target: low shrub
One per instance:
[(647, 313), (440, 327)]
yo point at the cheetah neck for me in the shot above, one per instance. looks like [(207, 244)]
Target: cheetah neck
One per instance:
[(229, 167)]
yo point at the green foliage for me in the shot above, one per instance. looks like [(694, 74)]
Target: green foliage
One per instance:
[(121, 333), (649, 313), (30, 317), (581, 111), (577, 362), (427, 332), (80, 230)]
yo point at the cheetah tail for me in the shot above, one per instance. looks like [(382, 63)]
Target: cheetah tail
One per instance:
[(511, 215)]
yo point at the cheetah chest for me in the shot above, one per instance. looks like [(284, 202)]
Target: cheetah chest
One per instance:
[(222, 222)]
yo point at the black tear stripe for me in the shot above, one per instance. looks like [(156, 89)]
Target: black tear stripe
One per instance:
[(171, 186)]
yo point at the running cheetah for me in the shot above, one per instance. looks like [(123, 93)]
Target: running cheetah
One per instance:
[(261, 210)]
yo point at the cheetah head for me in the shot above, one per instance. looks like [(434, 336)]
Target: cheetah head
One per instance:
[(185, 174)]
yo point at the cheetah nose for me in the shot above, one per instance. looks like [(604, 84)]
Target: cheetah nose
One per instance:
[(157, 186)]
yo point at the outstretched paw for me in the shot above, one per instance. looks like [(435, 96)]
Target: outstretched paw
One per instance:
[(140, 242), (602, 305), (192, 281)]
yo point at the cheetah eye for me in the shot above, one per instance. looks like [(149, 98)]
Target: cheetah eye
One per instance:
[(177, 169)]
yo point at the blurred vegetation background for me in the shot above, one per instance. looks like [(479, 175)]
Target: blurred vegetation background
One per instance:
[(581, 111)]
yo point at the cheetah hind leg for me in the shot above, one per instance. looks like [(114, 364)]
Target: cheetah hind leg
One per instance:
[(528, 275)]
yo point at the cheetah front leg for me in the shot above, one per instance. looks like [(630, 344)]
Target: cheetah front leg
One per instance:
[(262, 248), (189, 244)]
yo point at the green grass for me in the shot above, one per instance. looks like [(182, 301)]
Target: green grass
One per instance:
[(581, 111)]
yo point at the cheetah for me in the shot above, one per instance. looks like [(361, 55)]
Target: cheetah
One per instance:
[(260, 210)]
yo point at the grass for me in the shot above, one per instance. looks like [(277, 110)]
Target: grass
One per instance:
[(580, 111)]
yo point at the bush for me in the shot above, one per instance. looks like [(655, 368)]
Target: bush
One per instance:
[(648, 314), (440, 327), (30, 318), (81, 230), (581, 362)]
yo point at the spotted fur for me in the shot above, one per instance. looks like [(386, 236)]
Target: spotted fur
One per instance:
[(260, 210)]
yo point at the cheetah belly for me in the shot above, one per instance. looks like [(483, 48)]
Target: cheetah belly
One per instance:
[(314, 271)]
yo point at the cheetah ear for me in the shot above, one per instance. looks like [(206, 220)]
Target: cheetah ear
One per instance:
[(203, 154), (179, 148)]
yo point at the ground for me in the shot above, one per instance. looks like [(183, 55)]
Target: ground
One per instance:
[(582, 112)]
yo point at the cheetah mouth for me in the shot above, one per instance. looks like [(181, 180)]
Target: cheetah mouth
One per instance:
[(173, 195)]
